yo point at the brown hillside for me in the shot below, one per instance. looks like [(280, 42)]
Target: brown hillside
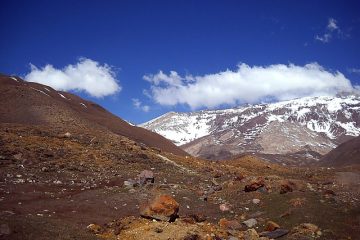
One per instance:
[(31, 103), (347, 153)]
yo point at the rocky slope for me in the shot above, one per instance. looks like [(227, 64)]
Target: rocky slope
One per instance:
[(32, 103), (313, 124)]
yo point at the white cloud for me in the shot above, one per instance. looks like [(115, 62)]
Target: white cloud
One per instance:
[(87, 75), (332, 24), (332, 30), (246, 84), (324, 38), (138, 105)]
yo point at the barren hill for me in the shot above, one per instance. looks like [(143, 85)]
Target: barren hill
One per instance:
[(347, 153), (32, 103)]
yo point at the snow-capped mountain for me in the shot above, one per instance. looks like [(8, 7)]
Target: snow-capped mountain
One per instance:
[(311, 124)]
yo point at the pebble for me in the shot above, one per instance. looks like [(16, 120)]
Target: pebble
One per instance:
[(250, 222), (256, 201)]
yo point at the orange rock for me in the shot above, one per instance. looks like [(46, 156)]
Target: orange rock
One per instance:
[(287, 186), (162, 207), (229, 224), (271, 226), (255, 185)]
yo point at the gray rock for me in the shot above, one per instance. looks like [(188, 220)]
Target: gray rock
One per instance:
[(130, 183), (250, 222), (145, 177)]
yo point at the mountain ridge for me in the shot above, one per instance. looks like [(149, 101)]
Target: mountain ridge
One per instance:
[(312, 123), (32, 103)]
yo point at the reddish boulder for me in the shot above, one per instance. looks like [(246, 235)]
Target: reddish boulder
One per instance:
[(162, 207), (271, 226), (287, 186), (229, 224), (255, 185)]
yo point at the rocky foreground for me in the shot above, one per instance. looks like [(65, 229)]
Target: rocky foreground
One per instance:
[(64, 183)]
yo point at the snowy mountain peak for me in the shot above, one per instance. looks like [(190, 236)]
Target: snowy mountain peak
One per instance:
[(316, 123)]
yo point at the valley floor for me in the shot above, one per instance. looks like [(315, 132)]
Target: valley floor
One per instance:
[(54, 185)]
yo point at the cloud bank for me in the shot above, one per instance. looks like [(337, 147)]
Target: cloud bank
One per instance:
[(85, 76), (246, 84)]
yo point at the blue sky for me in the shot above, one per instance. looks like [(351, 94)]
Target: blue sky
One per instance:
[(222, 53)]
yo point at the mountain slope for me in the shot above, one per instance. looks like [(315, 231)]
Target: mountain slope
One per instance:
[(31, 103), (347, 153), (308, 124)]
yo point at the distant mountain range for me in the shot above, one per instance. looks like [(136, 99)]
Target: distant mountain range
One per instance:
[(309, 127)]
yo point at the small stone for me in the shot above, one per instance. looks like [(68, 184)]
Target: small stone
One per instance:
[(67, 135), (224, 207), (256, 201), (250, 222), (271, 226), (229, 224), (130, 183), (158, 230)]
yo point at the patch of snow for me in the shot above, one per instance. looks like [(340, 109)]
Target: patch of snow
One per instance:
[(13, 78), (83, 105), (63, 96), (40, 91)]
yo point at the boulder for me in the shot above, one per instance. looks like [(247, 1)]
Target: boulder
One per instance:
[(287, 186), (162, 207), (255, 185), (145, 177)]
